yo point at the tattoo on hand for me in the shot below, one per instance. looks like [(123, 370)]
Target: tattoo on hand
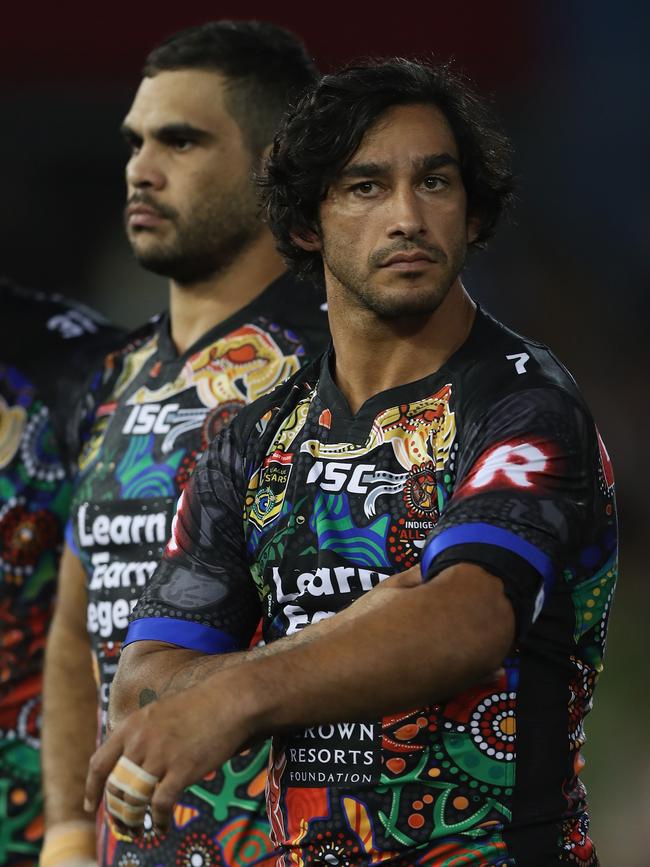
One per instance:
[(147, 696)]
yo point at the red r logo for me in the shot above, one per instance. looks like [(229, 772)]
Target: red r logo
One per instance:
[(515, 462)]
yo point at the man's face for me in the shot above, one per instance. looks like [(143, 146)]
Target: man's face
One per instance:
[(191, 206), (394, 226)]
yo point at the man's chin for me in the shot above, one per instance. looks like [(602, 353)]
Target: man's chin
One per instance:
[(393, 313), (149, 253), (154, 261), (406, 302), (184, 271)]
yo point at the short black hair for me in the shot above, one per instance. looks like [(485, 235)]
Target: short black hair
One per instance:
[(325, 129), (267, 68)]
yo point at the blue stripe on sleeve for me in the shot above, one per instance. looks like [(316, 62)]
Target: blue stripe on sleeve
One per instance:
[(486, 534), (193, 636)]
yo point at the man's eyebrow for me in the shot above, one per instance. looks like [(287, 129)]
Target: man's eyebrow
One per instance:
[(128, 133), (357, 170), (171, 131), (430, 163), (435, 161), (168, 132)]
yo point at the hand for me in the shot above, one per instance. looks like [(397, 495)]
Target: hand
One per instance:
[(168, 745)]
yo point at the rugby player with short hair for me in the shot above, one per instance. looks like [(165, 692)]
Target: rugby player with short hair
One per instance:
[(200, 125)]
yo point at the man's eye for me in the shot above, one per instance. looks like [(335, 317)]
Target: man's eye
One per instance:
[(435, 182), (365, 188), (182, 144)]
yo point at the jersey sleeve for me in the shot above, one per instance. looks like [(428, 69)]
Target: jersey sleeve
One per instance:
[(202, 595), (523, 496)]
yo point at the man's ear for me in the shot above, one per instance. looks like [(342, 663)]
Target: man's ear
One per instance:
[(266, 153), (307, 240)]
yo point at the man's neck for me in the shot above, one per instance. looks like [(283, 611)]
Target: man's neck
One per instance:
[(195, 309), (373, 355)]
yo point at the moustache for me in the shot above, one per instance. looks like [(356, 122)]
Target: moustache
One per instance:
[(379, 257), (149, 202)]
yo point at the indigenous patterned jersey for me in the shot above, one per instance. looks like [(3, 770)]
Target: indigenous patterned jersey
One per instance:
[(300, 507), (46, 353), (158, 412)]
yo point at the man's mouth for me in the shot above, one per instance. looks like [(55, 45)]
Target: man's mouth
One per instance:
[(407, 261), (143, 217)]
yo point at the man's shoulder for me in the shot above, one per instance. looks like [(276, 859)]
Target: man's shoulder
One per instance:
[(299, 309), (499, 362), (54, 341), (33, 320), (132, 341)]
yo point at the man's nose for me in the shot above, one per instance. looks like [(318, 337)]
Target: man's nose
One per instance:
[(406, 215), (143, 169)]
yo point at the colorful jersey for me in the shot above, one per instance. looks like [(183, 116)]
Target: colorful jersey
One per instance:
[(300, 507), (47, 350), (157, 414)]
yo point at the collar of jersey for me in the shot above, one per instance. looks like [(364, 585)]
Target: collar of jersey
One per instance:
[(271, 302), (357, 426)]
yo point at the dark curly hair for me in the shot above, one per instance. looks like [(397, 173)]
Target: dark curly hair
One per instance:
[(266, 67), (318, 138)]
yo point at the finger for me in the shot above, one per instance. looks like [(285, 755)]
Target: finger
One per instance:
[(128, 799), (99, 767), (127, 814), (118, 827), (115, 815), (168, 791), (131, 778), (129, 789)]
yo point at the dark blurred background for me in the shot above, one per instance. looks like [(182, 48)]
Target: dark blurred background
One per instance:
[(570, 80)]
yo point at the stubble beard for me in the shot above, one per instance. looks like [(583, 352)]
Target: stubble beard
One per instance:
[(205, 243), (406, 299)]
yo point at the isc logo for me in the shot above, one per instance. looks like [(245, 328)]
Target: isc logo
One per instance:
[(339, 475), (150, 418)]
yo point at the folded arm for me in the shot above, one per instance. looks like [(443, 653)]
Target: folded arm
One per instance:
[(399, 646), (149, 670)]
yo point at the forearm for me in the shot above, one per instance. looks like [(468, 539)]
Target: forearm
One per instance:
[(385, 652), (395, 649), (69, 722), (149, 670)]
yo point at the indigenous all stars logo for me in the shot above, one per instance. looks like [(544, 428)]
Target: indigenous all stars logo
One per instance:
[(421, 492), (266, 498), (408, 535)]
